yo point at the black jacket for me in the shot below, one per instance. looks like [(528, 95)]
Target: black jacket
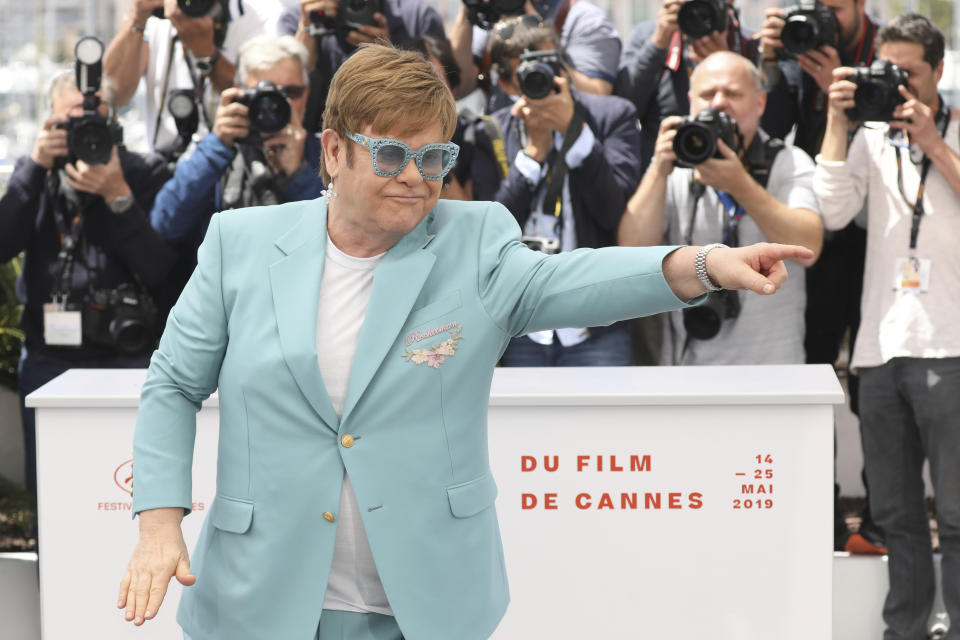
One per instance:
[(112, 246)]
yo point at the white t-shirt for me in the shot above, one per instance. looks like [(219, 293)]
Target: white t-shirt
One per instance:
[(345, 289), (258, 17)]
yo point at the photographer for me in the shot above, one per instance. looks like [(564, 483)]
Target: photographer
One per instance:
[(330, 36), (567, 164), (585, 31), (908, 348), (239, 164), (657, 62), (182, 52), (757, 191), (85, 233)]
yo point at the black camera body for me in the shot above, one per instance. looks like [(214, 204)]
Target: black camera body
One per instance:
[(351, 14), (704, 322), (91, 136), (696, 138), (123, 318), (809, 25), (698, 18), (268, 109), (877, 93), (486, 14), (536, 72)]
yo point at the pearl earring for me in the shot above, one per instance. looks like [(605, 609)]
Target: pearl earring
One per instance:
[(329, 191)]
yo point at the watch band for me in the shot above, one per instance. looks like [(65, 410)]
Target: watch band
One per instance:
[(121, 204), (206, 64), (701, 265)]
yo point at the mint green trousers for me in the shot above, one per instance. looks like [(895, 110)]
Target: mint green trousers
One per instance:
[(348, 625)]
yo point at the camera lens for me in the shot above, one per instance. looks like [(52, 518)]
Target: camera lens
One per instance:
[(356, 5), (702, 323), (269, 112), (130, 335), (799, 35), (694, 143), (91, 142), (537, 83), (195, 8), (698, 18)]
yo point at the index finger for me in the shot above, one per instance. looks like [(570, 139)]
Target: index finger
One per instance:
[(841, 73), (229, 95), (785, 252), (906, 93)]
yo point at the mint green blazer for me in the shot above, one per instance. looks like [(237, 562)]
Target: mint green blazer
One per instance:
[(446, 300)]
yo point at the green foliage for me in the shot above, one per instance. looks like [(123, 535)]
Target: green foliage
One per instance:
[(18, 517), (11, 336)]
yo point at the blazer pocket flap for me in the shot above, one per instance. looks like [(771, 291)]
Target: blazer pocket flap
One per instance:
[(232, 514), (472, 497), (435, 309)]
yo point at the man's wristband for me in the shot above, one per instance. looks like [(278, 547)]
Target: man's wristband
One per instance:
[(701, 265)]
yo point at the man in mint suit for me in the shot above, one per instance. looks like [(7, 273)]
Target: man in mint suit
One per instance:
[(353, 340)]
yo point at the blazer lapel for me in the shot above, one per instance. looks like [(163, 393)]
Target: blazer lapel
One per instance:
[(397, 282), (295, 282)]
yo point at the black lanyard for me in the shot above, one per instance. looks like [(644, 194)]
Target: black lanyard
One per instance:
[(69, 237), (917, 205)]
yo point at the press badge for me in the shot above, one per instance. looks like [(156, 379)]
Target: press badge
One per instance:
[(61, 327), (912, 275)]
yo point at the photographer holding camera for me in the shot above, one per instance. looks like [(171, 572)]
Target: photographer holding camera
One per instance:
[(258, 153), (907, 351), (77, 209), (735, 186), (563, 163), (657, 62), (331, 30), (183, 45)]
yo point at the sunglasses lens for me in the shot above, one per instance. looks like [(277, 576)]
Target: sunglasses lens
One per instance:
[(434, 161), (294, 91), (390, 157)]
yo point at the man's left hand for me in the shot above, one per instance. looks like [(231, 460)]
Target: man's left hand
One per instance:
[(104, 180), (556, 110), (370, 33), (284, 150), (724, 174), (195, 33), (819, 65), (918, 120)]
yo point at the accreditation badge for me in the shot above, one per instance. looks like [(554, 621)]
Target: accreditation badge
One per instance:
[(61, 327), (912, 275)]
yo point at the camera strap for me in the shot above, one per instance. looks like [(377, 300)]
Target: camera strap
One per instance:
[(69, 233), (557, 165), (494, 134), (917, 205)]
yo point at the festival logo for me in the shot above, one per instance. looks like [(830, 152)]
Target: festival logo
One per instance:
[(123, 477)]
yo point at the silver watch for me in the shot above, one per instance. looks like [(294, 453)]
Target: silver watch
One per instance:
[(121, 204), (701, 264)]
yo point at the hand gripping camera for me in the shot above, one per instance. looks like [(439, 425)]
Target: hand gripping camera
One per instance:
[(268, 109), (351, 14), (696, 139), (91, 136), (698, 18), (877, 93), (536, 73), (486, 14), (809, 25)]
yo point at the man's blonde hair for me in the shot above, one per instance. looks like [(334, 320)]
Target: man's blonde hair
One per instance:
[(389, 90)]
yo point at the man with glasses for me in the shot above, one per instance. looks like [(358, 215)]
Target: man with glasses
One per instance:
[(239, 164), (353, 340)]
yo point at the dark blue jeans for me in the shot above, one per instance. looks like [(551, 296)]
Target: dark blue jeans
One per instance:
[(910, 410), (606, 347), (37, 370)]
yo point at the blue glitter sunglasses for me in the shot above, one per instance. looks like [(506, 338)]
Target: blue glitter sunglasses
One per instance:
[(390, 157)]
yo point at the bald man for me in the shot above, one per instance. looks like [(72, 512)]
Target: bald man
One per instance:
[(759, 192)]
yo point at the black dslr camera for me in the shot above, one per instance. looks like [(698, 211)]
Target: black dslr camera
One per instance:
[(536, 73), (486, 14), (91, 136), (268, 109), (698, 18), (191, 8), (123, 318), (696, 139), (877, 93), (704, 322), (351, 14), (809, 25)]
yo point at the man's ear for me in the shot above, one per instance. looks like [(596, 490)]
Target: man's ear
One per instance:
[(332, 146)]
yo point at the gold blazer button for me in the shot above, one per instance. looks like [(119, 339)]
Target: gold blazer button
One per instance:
[(347, 440), (328, 516)]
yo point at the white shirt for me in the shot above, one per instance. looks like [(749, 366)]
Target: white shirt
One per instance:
[(345, 288), (258, 17), (897, 323)]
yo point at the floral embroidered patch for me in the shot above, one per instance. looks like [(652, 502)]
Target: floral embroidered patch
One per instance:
[(436, 355)]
